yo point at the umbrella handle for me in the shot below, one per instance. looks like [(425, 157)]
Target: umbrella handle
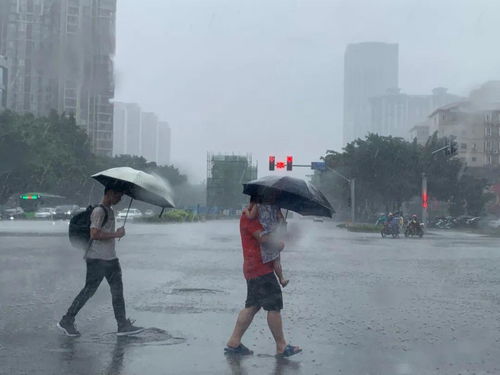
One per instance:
[(126, 215)]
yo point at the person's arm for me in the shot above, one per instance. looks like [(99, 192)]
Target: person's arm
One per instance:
[(253, 212), (98, 234), (96, 223)]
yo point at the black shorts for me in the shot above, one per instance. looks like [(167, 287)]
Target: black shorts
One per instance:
[(264, 291)]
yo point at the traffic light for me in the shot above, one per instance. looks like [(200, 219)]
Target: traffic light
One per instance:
[(452, 148), (289, 163), (272, 159), (425, 200)]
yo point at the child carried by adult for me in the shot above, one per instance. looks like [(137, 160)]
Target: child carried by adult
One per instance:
[(272, 220)]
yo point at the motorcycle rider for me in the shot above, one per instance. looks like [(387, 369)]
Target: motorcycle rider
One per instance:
[(414, 224), (388, 221)]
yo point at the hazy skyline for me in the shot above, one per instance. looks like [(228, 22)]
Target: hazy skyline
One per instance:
[(266, 77)]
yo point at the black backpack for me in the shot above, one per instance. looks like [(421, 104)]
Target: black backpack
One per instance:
[(79, 227)]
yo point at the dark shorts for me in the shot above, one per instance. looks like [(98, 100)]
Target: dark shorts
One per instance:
[(264, 291)]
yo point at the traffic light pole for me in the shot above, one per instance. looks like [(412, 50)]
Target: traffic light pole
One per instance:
[(352, 182), (352, 185), (424, 199)]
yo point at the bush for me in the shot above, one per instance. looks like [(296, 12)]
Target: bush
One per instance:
[(173, 216), (364, 228)]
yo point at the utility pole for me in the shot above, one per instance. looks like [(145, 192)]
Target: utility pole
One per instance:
[(352, 185), (353, 201)]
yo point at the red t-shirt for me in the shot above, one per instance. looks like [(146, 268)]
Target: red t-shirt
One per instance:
[(252, 260)]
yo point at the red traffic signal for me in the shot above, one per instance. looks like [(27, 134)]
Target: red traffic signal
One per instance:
[(280, 165), (425, 200), (271, 163), (289, 163)]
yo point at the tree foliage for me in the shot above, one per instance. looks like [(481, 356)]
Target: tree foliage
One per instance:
[(388, 172), (52, 154)]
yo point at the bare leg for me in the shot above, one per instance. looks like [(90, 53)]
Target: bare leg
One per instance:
[(245, 317), (279, 271), (276, 326)]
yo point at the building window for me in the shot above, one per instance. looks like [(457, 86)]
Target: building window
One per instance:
[(463, 146), (473, 159)]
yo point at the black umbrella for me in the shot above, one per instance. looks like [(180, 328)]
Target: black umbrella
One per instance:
[(291, 193)]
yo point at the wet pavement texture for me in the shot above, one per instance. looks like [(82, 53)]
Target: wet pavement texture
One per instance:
[(356, 303)]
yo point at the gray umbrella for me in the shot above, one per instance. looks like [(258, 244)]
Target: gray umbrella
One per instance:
[(138, 185), (291, 193)]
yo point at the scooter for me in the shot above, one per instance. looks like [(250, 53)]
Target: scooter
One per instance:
[(414, 229)]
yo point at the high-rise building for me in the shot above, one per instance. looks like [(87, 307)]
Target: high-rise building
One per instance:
[(59, 56), (127, 129), (370, 69), (140, 133), (395, 113), (163, 143), (149, 135), (3, 83), (24, 37)]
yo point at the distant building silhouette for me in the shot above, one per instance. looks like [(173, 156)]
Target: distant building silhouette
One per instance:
[(3, 83), (140, 133), (396, 113), (59, 56), (370, 69)]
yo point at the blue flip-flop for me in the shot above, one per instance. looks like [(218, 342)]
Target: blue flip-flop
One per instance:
[(240, 349), (289, 351)]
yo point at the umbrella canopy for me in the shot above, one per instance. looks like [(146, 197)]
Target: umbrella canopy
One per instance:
[(291, 193), (138, 185)]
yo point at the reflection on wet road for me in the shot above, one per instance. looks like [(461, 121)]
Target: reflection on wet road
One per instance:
[(356, 303)]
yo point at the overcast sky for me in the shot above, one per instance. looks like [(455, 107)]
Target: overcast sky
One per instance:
[(266, 76)]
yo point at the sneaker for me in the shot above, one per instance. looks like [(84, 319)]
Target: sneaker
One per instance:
[(128, 328), (68, 327)]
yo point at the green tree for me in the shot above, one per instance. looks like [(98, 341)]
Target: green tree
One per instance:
[(388, 172), (52, 154)]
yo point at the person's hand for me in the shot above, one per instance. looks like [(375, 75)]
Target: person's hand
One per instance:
[(120, 232)]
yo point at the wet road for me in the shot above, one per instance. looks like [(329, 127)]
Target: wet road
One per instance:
[(356, 303)]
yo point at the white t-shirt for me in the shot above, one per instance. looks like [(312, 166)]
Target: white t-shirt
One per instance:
[(102, 249)]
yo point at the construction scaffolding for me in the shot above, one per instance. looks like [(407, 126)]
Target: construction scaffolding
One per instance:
[(225, 176)]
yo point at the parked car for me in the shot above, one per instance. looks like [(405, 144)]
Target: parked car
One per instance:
[(13, 213), (494, 223), (133, 213), (149, 213), (65, 212), (45, 213)]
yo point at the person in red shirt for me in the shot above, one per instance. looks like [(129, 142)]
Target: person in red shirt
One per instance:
[(263, 290)]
